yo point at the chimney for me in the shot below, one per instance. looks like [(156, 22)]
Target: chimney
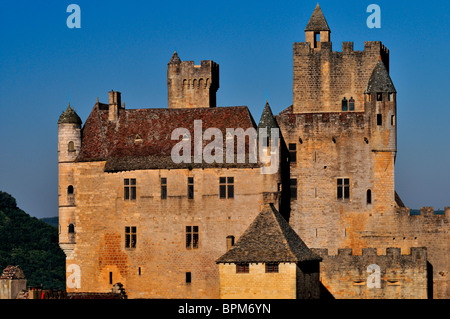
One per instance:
[(114, 105)]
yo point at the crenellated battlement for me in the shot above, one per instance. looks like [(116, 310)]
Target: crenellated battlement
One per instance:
[(415, 253), (369, 275), (426, 212), (376, 47)]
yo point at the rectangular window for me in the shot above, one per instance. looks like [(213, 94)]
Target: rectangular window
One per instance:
[(188, 277), (130, 237), (293, 153), (293, 188), (226, 187), (271, 267), (190, 189), (110, 278), (242, 268), (343, 188), (379, 97), (379, 119), (192, 237), (390, 97), (129, 189), (163, 188)]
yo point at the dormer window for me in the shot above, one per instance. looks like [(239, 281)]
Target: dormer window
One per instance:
[(379, 97), (344, 105)]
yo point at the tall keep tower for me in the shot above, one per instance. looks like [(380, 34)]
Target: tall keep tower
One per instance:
[(324, 78), (192, 86), (341, 136)]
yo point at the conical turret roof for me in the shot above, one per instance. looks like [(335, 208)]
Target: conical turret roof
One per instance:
[(267, 119), (380, 81), (69, 116), (317, 22)]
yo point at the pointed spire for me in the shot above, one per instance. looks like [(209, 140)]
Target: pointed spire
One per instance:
[(267, 119), (380, 81), (317, 22), (175, 58)]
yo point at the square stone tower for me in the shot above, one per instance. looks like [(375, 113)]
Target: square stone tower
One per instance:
[(192, 86)]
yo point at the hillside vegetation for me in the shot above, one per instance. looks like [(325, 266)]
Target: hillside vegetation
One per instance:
[(31, 244)]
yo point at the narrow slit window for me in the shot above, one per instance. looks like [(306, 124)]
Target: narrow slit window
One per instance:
[(230, 242), (351, 104), (344, 105), (188, 277), (293, 185), (163, 188), (110, 278), (379, 119), (379, 97), (190, 189), (369, 197), (293, 153)]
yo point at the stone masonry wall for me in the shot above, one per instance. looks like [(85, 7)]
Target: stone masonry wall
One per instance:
[(157, 266), (372, 276)]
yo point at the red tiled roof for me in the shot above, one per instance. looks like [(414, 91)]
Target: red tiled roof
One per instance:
[(104, 140)]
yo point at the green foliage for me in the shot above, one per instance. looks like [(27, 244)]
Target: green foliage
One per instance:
[(31, 244)]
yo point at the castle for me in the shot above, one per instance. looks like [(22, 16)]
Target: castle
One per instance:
[(327, 224)]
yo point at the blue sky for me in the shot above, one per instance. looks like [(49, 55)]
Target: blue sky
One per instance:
[(125, 46)]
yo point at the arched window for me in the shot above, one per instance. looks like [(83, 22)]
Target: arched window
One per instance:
[(351, 104), (70, 195), (71, 146), (200, 83), (344, 105), (71, 229), (369, 197)]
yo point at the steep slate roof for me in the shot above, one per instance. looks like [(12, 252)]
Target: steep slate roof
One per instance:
[(269, 238), (69, 116), (267, 120), (380, 81), (141, 138), (317, 22)]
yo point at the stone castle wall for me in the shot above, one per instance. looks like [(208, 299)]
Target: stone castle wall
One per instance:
[(372, 276)]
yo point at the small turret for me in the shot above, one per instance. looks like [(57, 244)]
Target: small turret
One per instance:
[(380, 103), (317, 29), (69, 135)]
